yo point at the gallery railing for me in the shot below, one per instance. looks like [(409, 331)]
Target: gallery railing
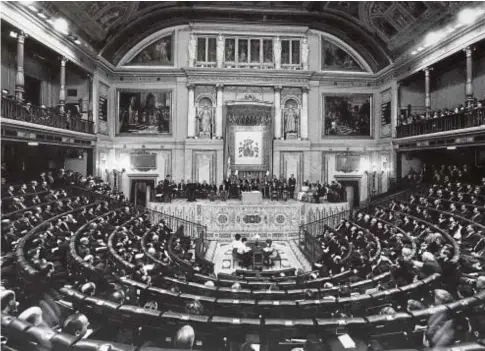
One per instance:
[(180, 226), (13, 109), (308, 233), (464, 119)]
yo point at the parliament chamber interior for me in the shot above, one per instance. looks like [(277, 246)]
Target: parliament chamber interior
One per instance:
[(242, 176)]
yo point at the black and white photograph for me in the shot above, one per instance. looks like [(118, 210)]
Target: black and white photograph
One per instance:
[(242, 176)]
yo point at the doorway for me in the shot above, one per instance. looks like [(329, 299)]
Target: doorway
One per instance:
[(352, 191), (32, 90), (140, 190)]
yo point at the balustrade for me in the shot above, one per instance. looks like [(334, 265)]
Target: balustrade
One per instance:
[(463, 119), (51, 117)]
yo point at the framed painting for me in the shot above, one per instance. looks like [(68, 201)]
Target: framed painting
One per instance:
[(347, 115), (335, 58), (144, 112), (159, 53)]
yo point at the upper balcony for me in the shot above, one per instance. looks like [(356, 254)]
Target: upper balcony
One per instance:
[(51, 117)]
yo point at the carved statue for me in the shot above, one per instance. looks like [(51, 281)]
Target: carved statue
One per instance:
[(192, 47), (304, 53), (290, 120), (277, 52), (220, 50), (205, 120)]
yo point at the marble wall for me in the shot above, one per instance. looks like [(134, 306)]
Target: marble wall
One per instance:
[(203, 159)]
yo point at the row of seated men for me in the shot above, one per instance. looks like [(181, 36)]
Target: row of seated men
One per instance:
[(369, 224), (232, 188), (476, 105), (467, 178)]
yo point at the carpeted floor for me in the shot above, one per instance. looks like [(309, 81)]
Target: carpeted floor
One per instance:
[(291, 257)]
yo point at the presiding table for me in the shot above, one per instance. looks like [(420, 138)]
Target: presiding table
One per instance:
[(252, 198)]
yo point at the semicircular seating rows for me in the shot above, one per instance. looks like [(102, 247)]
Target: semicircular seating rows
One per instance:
[(136, 272)]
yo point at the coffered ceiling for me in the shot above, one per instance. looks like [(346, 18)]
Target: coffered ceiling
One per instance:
[(379, 31)]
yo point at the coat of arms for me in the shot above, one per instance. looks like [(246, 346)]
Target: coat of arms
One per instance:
[(248, 148)]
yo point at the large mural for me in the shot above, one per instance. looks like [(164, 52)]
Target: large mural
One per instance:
[(160, 53), (145, 112), (336, 59), (347, 115)]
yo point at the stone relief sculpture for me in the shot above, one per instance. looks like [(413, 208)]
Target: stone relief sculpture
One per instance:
[(304, 53), (277, 52), (205, 117), (220, 50), (192, 47), (290, 120)]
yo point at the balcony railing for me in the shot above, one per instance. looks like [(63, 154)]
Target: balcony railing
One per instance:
[(463, 119), (13, 109)]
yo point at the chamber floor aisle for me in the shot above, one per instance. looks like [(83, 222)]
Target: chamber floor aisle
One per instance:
[(291, 257)]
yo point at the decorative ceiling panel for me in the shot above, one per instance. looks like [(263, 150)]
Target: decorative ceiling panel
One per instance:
[(384, 29)]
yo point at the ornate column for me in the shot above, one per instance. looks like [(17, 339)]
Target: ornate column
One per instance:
[(191, 112), (220, 51), (95, 101), (19, 76), (427, 96), (395, 103), (62, 91), (304, 114), (277, 53), (277, 111), (469, 75), (219, 88)]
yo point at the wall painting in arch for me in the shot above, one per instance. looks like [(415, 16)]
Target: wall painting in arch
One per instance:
[(159, 53), (144, 112), (347, 115), (335, 58)]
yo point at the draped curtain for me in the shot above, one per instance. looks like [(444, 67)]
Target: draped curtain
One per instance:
[(248, 117)]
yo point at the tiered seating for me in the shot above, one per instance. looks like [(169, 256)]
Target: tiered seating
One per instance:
[(123, 267)]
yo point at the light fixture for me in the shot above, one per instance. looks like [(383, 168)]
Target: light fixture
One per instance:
[(467, 16), (50, 21), (61, 25), (451, 148), (13, 34), (421, 48), (414, 52), (33, 143), (32, 8), (42, 15), (77, 41)]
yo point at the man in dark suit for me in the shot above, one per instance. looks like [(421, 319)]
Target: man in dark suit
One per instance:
[(477, 216), (292, 186), (182, 188), (167, 189), (190, 191), (223, 191), (159, 191)]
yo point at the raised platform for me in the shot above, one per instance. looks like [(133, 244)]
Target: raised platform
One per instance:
[(272, 219)]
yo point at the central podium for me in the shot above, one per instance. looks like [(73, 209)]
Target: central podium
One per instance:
[(277, 220), (252, 198)]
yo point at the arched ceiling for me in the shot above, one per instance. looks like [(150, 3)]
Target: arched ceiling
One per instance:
[(379, 31)]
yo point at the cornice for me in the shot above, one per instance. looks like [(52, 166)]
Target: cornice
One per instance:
[(86, 58)]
